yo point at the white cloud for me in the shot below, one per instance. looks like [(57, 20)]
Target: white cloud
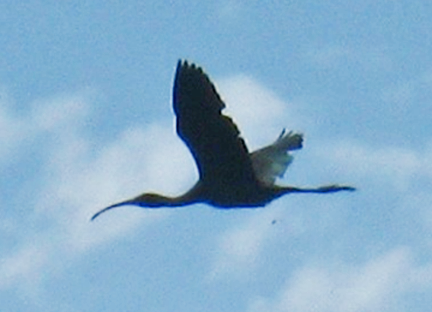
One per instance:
[(23, 266), (260, 116), (44, 116), (376, 285), (138, 160), (76, 179), (238, 249), (395, 166), (258, 112), (57, 112), (255, 110)]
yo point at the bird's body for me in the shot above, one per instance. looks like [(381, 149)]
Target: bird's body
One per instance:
[(229, 176)]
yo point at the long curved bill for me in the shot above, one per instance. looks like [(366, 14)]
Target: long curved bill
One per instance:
[(124, 203)]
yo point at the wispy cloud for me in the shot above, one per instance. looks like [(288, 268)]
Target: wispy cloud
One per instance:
[(377, 284), (384, 164), (238, 250), (22, 267), (260, 113), (75, 180)]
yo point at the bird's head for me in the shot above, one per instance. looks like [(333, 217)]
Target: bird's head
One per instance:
[(147, 200)]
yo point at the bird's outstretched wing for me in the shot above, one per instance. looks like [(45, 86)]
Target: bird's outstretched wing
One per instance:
[(213, 138)]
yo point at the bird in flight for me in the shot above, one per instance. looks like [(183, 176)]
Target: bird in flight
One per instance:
[(229, 175)]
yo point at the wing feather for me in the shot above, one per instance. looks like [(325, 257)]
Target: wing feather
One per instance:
[(213, 138)]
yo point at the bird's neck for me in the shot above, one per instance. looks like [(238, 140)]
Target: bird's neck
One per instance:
[(194, 195), (176, 201), (156, 200)]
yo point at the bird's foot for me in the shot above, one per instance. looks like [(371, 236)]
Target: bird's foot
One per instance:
[(336, 188)]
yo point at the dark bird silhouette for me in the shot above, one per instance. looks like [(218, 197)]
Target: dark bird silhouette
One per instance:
[(229, 176)]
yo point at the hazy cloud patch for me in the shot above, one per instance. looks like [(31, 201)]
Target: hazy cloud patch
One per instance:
[(259, 113), (375, 285), (75, 180), (394, 165), (239, 248)]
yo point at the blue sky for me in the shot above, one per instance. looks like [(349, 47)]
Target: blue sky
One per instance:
[(86, 121)]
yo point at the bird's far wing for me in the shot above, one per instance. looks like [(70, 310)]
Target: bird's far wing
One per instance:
[(213, 139), (272, 161)]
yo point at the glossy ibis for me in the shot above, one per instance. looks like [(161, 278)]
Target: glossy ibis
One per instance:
[(229, 175)]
